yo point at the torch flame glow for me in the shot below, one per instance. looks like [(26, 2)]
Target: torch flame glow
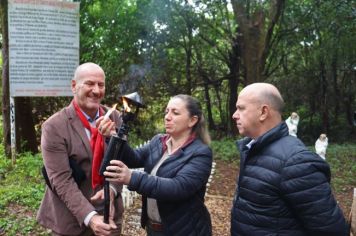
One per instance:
[(126, 105)]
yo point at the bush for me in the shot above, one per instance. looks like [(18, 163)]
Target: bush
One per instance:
[(225, 150), (21, 191), (342, 161)]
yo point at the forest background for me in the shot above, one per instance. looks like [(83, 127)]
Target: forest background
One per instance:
[(211, 49)]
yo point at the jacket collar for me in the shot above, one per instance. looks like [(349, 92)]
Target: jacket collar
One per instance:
[(165, 137), (270, 136), (78, 126)]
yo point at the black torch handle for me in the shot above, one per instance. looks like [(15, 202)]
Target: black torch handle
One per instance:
[(106, 202), (113, 151)]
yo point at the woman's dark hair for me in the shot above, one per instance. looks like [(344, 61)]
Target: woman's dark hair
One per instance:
[(194, 108)]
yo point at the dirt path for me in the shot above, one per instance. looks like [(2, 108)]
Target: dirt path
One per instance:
[(219, 197)]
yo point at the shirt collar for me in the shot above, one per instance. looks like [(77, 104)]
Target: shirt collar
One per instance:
[(169, 145), (88, 117), (250, 143)]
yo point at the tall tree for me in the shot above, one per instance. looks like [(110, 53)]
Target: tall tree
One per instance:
[(319, 61), (256, 21), (26, 140), (210, 48), (5, 80)]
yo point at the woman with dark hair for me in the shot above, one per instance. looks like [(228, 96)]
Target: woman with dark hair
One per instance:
[(177, 166)]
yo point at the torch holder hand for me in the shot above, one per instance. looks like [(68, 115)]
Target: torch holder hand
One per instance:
[(113, 151)]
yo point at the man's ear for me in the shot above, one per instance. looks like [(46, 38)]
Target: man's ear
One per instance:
[(264, 112), (73, 84), (193, 121)]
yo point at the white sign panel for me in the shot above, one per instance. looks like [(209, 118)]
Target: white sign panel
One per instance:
[(43, 47)]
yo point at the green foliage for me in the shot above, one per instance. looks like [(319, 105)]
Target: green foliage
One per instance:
[(22, 183), (5, 166), (342, 160), (21, 191), (317, 76), (164, 47), (225, 149), (15, 225)]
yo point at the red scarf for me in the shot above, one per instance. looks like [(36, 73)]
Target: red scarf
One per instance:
[(96, 144)]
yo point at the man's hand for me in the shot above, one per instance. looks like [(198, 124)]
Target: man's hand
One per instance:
[(99, 228), (113, 229), (106, 127), (98, 197)]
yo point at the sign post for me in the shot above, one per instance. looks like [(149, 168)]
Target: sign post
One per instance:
[(13, 130), (43, 50)]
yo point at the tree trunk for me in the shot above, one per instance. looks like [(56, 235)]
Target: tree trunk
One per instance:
[(324, 97), (5, 81), (188, 66), (337, 98), (256, 25), (208, 106), (233, 81), (219, 101), (204, 75), (233, 84), (188, 41), (25, 131)]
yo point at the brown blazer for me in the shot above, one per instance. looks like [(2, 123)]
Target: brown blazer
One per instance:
[(63, 137)]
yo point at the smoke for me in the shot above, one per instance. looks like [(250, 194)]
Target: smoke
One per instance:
[(135, 79)]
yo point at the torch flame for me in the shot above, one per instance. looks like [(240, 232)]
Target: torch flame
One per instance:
[(126, 105)]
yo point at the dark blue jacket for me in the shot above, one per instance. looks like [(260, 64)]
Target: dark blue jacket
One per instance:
[(283, 189), (179, 185)]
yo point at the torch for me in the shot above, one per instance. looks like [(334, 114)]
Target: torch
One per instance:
[(116, 142)]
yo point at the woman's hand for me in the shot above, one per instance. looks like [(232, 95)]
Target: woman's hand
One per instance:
[(106, 127), (118, 172)]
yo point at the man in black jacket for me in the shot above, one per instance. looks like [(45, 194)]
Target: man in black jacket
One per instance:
[(283, 188)]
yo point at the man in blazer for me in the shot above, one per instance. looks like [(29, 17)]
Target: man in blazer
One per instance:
[(69, 207)]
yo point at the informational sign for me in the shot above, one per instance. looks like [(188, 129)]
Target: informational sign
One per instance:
[(43, 47)]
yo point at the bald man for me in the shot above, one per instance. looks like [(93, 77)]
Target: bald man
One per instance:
[(70, 144), (283, 188)]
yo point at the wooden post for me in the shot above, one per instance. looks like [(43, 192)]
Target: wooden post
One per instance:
[(353, 216), (13, 130)]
